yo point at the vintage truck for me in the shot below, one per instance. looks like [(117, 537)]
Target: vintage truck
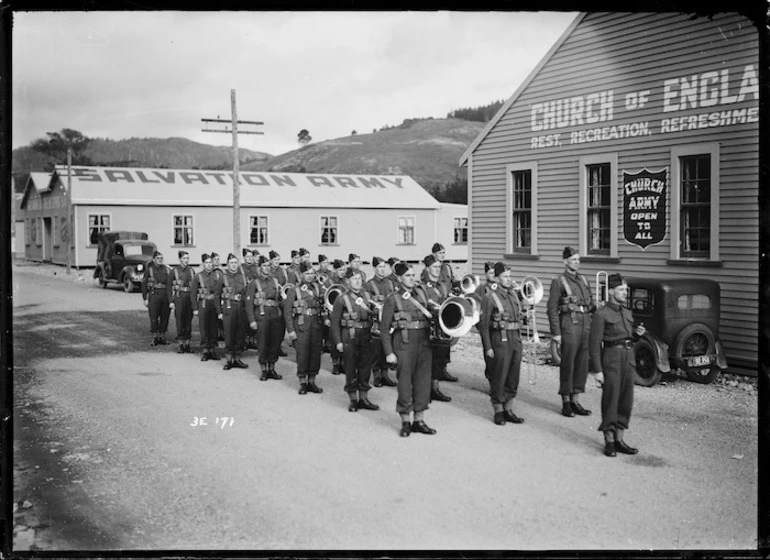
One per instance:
[(121, 258)]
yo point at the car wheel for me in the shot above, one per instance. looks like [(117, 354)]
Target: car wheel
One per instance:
[(101, 280), (647, 372), (696, 340), (128, 285)]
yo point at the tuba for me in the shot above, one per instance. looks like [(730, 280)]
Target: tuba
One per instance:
[(331, 294), (458, 314), (322, 278), (530, 290)]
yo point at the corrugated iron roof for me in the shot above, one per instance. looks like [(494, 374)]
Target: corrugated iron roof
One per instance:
[(175, 187)]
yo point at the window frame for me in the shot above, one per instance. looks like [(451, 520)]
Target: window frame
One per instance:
[(510, 169), (183, 226), (267, 230), (414, 230), (583, 225), (88, 227), (460, 227), (321, 230), (677, 152)]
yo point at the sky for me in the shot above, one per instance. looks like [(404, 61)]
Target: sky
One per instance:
[(119, 75)]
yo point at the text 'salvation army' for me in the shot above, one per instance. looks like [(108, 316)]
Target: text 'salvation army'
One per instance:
[(395, 321)]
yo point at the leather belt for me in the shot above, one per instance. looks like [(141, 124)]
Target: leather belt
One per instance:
[(358, 324), (236, 297), (268, 303), (505, 325), (413, 325), (158, 286), (183, 289), (311, 312), (624, 343)]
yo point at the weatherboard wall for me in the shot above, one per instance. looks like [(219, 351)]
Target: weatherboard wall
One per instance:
[(658, 79)]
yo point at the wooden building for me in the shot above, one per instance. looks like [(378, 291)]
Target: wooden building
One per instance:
[(334, 215), (636, 140)]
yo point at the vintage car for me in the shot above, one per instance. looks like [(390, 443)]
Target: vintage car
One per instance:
[(122, 257), (682, 321)]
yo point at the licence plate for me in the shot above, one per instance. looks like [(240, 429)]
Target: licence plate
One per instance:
[(699, 361)]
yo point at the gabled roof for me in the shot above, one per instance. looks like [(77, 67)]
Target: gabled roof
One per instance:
[(199, 187), (40, 182), (491, 124)]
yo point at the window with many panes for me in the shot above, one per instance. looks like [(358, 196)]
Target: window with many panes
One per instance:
[(598, 208), (97, 223), (522, 211), (258, 231), (461, 230), (183, 230), (406, 230), (695, 206), (329, 231)]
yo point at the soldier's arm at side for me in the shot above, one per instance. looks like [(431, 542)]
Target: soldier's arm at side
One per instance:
[(388, 310), (288, 313), (250, 295), (553, 308), (487, 307), (194, 293), (595, 343), (336, 330)]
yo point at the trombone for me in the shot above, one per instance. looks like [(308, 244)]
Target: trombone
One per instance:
[(601, 289)]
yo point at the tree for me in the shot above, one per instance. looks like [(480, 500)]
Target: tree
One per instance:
[(57, 143), (304, 137)]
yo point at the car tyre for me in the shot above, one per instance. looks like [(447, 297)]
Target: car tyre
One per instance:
[(101, 280), (647, 372), (694, 340), (128, 285)]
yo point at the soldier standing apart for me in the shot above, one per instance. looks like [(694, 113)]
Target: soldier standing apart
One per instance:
[(613, 362), (501, 339), (570, 305), (446, 278), (408, 347), (439, 342), (251, 270), (303, 311), (218, 272), (378, 288), (231, 292), (156, 278), (178, 292), (351, 334), (202, 290), (482, 290), (265, 317)]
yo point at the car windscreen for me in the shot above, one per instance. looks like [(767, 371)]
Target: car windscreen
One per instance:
[(138, 250)]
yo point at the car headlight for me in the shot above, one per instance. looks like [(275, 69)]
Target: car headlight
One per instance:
[(139, 267)]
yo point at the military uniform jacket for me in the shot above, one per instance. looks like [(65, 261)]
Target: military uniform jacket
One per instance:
[(181, 278), (230, 290), (401, 311), (611, 323), (293, 275), (156, 279), (280, 274), (351, 311), (437, 293), (202, 289), (261, 293), (445, 276), (501, 311), (251, 270), (379, 288), (303, 303), (580, 296)]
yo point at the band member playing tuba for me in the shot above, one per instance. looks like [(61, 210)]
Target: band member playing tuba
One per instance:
[(439, 342), (613, 363), (303, 309), (446, 278), (570, 305), (408, 347), (500, 336), (351, 333), (378, 289)]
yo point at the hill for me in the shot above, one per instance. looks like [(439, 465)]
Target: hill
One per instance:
[(174, 153), (425, 149)]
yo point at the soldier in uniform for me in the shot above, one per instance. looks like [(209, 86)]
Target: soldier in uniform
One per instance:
[(354, 262), (202, 294), (378, 289), (339, 269), (500, 336), (446, 278), (482, 290), (230, 295), (293, 275), (265, 317), (251, 269), (408, 347), (178, 293), (303, 309), (351, 334), (218, 272), (155, 296), (324, 268), (570, 305), (338, 276), (392, 275), (280, 274), (611, 347), (439, 343)]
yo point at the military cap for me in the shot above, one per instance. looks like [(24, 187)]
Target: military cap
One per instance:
[(322, 258), (349, 273), (615, 280), (182, 254), (303, 251), (568, 252), (156, 254), (400, 268), (429, 260), (352, 257), (213, 254), (393, 260), (245, 251), (500, 268), (231, 256), (262, 260), (437, 247), (305, 266), (294, 253), (488, 265), (376, 261), (205, 257), (337, 264), (273, 254)]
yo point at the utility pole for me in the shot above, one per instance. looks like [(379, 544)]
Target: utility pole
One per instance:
[(234, 122), (69, 211)]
